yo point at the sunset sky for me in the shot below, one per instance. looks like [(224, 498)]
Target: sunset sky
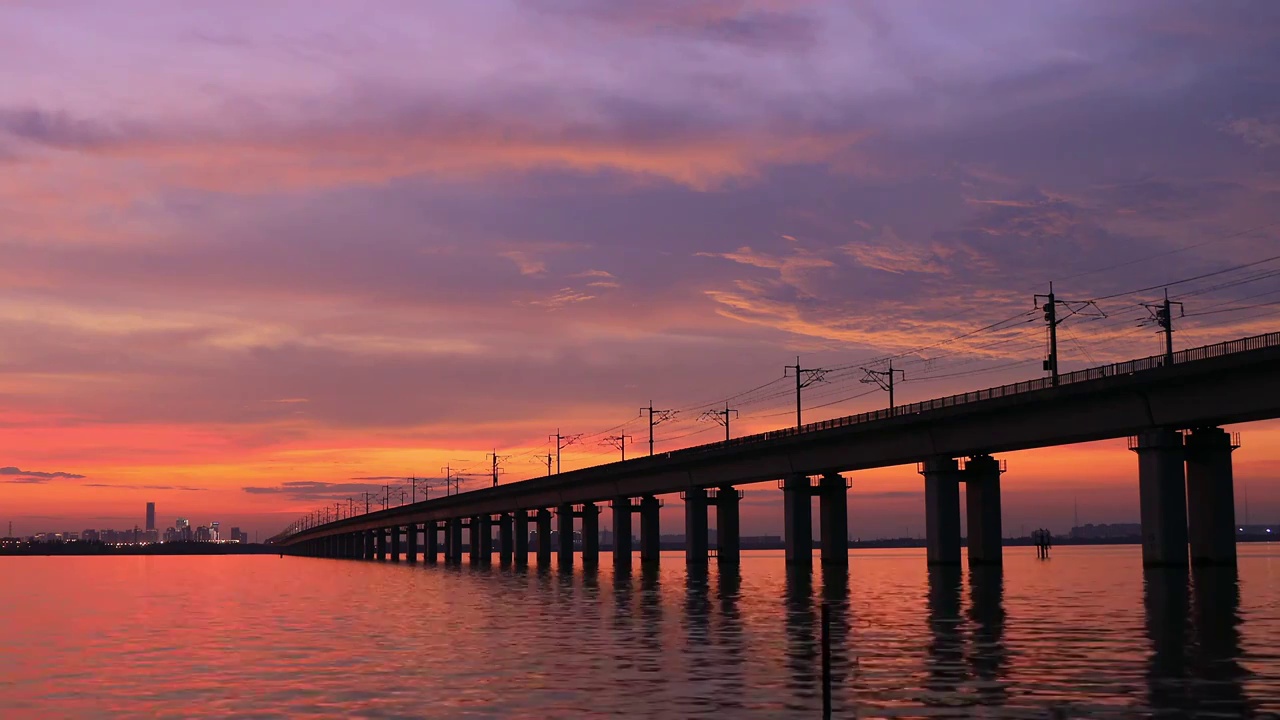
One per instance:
[(260, 256)]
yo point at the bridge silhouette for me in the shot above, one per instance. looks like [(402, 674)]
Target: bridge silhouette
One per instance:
[(1171, 407)]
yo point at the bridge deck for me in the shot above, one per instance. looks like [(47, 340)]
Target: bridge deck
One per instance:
[(1236, 381)]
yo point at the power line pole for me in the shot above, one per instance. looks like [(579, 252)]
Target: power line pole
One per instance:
[(366, 503), (1162, 317), (656, 418), (722, 417), (448, 478), (496, 460), (884, 378), (1050, 308), (562, 441), (618, 442), (548, 461), (804, 378)]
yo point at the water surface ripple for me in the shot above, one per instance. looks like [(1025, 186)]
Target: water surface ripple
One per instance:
[(1088, 633)]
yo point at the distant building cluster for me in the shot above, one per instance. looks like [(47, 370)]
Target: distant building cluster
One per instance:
[(181, 531), (1106, 530)]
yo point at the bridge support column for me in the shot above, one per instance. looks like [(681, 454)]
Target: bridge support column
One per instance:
[(590, 535), (1162, 496), (982, 508), (1211, 504), (453, 541), (797, 522), (395, 543), (485, 532), (942, 510), (621, 533), (833, 511), (650, 531), (695, 526), (382, 544), (411, 543), (473, 539), (366, 537), (728, 532), (431, 542), (522, 538), (564, 518), (543, 522), (504, 539)]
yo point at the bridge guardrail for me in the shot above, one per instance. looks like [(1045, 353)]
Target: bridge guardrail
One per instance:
[(1127, 367)]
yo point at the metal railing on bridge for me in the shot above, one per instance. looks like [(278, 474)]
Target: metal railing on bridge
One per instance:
[(1129, 367)]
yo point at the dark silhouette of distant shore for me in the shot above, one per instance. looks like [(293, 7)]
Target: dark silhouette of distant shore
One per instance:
[(9, 547)]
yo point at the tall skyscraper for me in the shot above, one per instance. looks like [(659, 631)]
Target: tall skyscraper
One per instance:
[(151, 516)]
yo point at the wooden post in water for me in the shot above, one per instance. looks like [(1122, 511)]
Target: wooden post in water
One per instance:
[(826, 662)]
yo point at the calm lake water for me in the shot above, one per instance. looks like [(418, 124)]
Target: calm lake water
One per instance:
[(1085, 634)]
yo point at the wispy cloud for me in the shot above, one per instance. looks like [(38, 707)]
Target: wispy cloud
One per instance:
[(35, 477)]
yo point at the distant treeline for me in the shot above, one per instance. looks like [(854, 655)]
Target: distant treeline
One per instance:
[(169, 548)]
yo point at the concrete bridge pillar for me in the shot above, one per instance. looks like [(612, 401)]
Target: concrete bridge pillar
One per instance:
[(395, 543), (366, 537), (382, 544), (411, 543), (833, 511), (522, 538), (505, 538), (650, 531), (484, 530), (695, 526), (1211, 504), (1162, 496), (564, 518), (797, 522), (453, 540), (982, 508), (543, 523), (728, 526), (431, 542), (473, 539), (621, 533), (942, 510), (590, 535)]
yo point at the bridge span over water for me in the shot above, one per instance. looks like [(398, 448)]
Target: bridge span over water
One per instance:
[(1170, 407)]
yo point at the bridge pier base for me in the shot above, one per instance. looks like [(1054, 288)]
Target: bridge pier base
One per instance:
[(695, 526), (833, 511), (395, 543), (942, 510), (411, 543), (728, 526), (366, 539), (522, 538), (982, 508), (484, 528), (430, 542), (797, 521), (590, 536), (650, 531), (382, 544), (564, 546), (504, 539), (1162, 496), (543, 522), (621, 534), (1211, 516)]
